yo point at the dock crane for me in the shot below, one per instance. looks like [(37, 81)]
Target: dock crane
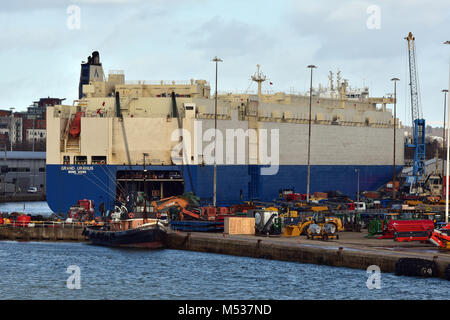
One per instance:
[(418, 122)]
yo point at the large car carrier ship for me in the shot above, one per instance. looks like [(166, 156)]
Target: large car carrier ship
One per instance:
[(122, 137)]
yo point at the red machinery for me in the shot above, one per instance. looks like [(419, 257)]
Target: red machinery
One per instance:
[(295, 197), (408, 230), (22, 221), (290, 195), (241, 208), (412, 197), (178, 206), (390, 185), (82, 211), (209, 213), (441, 237), (371, 194), (213, 213)]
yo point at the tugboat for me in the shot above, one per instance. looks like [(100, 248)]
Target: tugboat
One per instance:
[(129, 230)]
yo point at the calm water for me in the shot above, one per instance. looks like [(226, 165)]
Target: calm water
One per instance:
[(30, 207), (37, 270)]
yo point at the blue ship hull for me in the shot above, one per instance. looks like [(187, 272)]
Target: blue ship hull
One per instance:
[(235, 183)]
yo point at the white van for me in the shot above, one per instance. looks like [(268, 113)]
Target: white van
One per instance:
[(360, 206), (32, 190)]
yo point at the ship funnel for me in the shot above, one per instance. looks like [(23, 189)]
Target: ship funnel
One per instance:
[(96, 58), (90, 71)]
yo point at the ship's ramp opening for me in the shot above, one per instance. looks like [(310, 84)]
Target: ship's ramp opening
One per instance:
[(155, 184)]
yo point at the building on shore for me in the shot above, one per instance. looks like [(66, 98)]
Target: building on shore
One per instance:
[(21, 170), (11, 128), (26, 130)]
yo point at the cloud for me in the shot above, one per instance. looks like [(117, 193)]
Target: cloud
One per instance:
[(36, 5), (32, 5), (230, 38), (341, 26), (108, 1)]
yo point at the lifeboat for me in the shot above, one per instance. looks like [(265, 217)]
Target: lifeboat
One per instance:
[(75, 126)]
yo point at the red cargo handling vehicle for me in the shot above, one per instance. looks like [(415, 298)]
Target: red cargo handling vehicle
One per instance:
[(441, 237), (408, 230), (83, 210)]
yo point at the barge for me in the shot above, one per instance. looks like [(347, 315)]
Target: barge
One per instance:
[(131, 233)]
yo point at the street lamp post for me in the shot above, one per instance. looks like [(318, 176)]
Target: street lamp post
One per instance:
[(446, 178), (33, 183), (11, 128), (357, 193), (443, 134), (311, 67), (145, 172), (395, 126), (216, 60), (34, 129), (144, 216)]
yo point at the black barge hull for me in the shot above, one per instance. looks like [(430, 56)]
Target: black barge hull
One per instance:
[(150, 237)]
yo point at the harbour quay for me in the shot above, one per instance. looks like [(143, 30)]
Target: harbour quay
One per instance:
[(44, 231)]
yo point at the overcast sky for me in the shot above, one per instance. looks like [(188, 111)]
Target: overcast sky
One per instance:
[(176, 39)]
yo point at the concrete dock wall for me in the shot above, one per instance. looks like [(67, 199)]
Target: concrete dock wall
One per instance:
[(39, 233)]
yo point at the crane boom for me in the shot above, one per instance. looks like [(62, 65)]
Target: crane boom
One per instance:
[(413, 77), (418, 122)]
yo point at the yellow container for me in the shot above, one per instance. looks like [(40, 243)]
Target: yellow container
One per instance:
[(318, 209)]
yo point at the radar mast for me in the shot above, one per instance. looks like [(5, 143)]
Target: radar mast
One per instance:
[(259, 77)]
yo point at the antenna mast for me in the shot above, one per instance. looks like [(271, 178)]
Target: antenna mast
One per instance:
[(259, 77)]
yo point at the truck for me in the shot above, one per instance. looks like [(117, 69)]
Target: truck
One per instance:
[(82, 211)]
